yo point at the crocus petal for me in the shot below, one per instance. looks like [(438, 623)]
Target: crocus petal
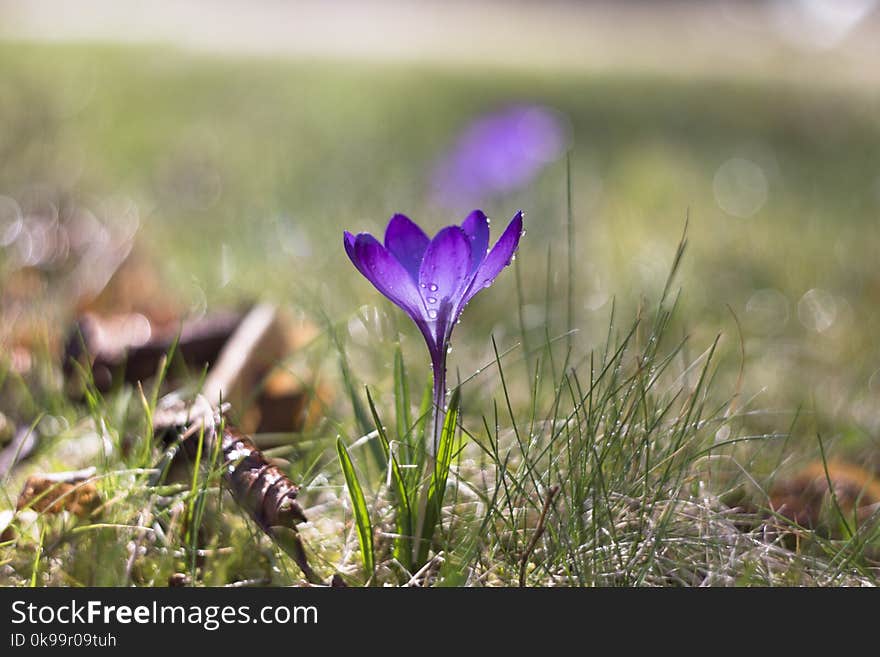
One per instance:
[(444, 273), (406, 242), (477, 228), (499, 257), (499, 153), (387, 275), (446, 316), (348, 239)]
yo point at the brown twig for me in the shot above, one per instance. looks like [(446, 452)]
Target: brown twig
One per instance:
[(539, 531)]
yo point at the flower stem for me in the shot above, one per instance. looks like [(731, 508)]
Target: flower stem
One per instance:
[(438, 360), (439, 366)]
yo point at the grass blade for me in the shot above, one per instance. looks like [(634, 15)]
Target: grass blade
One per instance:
[(401, 396), (404, 520), (420, 431), (359, 507), (437, 487)]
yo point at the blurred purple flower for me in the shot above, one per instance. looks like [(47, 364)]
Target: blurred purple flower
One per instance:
[(433, 279), (500, 152)]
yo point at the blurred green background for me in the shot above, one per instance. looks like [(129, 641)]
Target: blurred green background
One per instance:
[(244, 168)]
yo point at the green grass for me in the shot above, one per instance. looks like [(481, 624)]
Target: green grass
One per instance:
[(663, 430)]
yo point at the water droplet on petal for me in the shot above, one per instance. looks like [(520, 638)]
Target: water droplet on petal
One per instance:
[(432, 300), (487, 282), (422, 285), (432, 313), (449, 349), (433, 287)]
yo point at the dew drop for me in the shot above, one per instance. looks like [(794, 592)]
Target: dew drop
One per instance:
[(487, 282), (432, 313), (433, 287), (432, 300), (449, 350), (423, 285)]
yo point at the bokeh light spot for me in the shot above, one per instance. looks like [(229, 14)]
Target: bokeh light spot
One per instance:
[(767, 311), (740, 187), (817, 310)]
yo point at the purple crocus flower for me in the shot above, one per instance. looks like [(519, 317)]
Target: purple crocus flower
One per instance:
[(499, 153), (433, 279)]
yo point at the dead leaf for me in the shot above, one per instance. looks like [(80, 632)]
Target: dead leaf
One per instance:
[(178, 579), (131, 347), (65, 491), (7, 532), (802, 497), (133, 287)]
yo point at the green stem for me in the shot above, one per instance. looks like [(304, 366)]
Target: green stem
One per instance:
[(439, 397)]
